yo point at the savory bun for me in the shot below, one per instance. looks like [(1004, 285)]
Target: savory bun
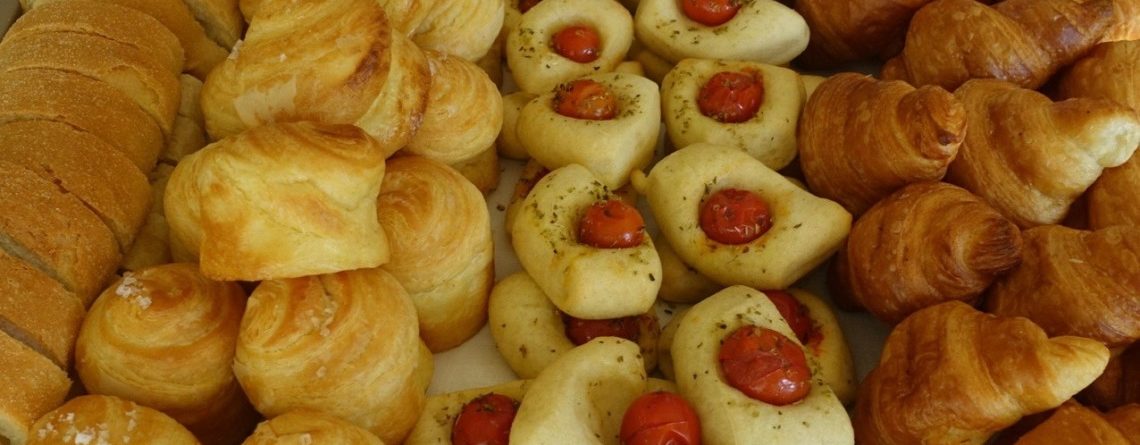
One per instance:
[(165, 337), (440, 237), (33, 385), (508, 142), (680, 282), (38, 311), (279, 201), (93, 418), (436, 424), (805, 230), (346, 344), (768, 135), (729, 415), (763, 31), (306, 426), (580, 279), (531, 172), (535, 64), (610, 148), (461, 119)]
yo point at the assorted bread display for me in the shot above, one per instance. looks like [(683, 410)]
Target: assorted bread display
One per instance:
[(282, 221)]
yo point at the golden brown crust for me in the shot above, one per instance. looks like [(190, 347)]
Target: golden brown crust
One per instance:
[(1126, 25), (1073, 424), (1110, 71), (152, 244), (482, 170), (463, 114), (1119, 384), (33, 385), (306, 426), (38, 311), (466, 29), (91, 417), (854, 30), (221, 19), (1126, 419), (1114, 199)]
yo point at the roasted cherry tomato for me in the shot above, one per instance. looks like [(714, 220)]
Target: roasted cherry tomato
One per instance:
[(710, 12), (611, 224), (525, 5), (578, 43), (581, 331), (731, 97), (765, 365), (585, 99), (794, 313), (485, 420), (660, 418), (734, 216)]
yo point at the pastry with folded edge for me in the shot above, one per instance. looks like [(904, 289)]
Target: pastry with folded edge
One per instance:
[(752, 106), (165, 337), (346, 343), (279, 201), (1126, 23), (952, 374), (108, 419), (1119, 384), (1110, 71), (560, 40), (33, 386), (723, 355), (508, 142), (606, 122), (739, 222), (439, 233), (38, 311), (884, 135), (1037, 156), (1114, 199), (496, 405), (586, 248), (1073, 424), (306, 426), (763, 31), (462, 116), (938, 242)]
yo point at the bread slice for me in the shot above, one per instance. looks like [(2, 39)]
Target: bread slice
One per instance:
[(38, 311), (32, 386)]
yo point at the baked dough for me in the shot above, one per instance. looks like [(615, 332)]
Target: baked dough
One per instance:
[(152, 244), (482, 170), (189, 133), (38, 311), (537, 68), (762, 31), (438, 419), (680, 282), (93, 418), (1109, 71), (306, 426), (462, 117), (508, 141), (33, 385), (221, 19), (465, 29)]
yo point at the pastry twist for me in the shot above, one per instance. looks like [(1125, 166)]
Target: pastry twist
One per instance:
[(463, 114)]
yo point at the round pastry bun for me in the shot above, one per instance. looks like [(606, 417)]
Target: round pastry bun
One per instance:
[(463, 114), (306, 426), (438, 419), (482, 170), (535, 65), (107, 419), (764, 31)]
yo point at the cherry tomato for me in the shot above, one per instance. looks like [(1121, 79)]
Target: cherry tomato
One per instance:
[(611, 224), (485, 420), (526, 183), (734, 216), (731, 97), (525, 5), (710, 12), (585, 99), (765, 365), (581, 331), (660, 418), (794, 313), (578, 43)]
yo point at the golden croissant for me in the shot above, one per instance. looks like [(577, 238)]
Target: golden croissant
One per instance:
[(1119, 385), (1073, 424), (854, 29)]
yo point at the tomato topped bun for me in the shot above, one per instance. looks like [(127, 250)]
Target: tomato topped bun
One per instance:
[(749, 378), (660, 418), (560, 40), (471, 416), (759, 30)]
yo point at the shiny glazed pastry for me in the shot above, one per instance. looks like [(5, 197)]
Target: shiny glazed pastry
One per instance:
[(279, 201), (557, 41), (925, 244), (1037, 157), (440, 238), (861, 139), (762, 31), (92, 418), (346, 344), (950, 374), (749, 105), (438, 422), (165, 337), (460, 120), (305, 426)]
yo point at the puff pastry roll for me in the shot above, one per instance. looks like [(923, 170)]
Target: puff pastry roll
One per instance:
[(557, 236), (441, 250), (950, 374), (279, 201), (33, 386), (462, 117), (570, 125), (1074, 282), (861, 139), (1073, 424), (1022, 41), (936, 242), (1119, 384), (779, 234), (1110, 71), (465, 29), (306, 426), (508, 142), (38, 311), (857, 30), (748, 411), (760, 120), (560, 40), (437, 424), (762, 31), (346, 344), (94, 418), (165, 337), (1037, 157), (296, 63)]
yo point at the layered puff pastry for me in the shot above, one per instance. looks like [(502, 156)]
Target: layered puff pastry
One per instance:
[(1074, 282), (580, 279), (923, 245), (530, 332), (762, 31), (769, 134), (462, 116), (346, 344), (1036, 157), (1022, 41), (804, 229), (1114, 199), (861, 139), (610, 148), (165, 337), (441, 251), (1126, 25), (950, 374), (730, 416), (535, 63), (33, 386), (1110, 71), (1073, 424), (856, 30), (306, 426), (466, 29), (437, 423), (279, 201), (107, 419), (152, 243), (334, 61)]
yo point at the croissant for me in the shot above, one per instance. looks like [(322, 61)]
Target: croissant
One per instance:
[(1020, 41), (1074, 282), (1119, 385), (1127, 21), (1029, 157), (950, 374), (306, 426), (1073, 424), (861, 139), (764, 31), (925, 244), (86, 419), (1110, 71), (33, 386), (1127, 420), (463, 114), (855, 30), (1114, 199)]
